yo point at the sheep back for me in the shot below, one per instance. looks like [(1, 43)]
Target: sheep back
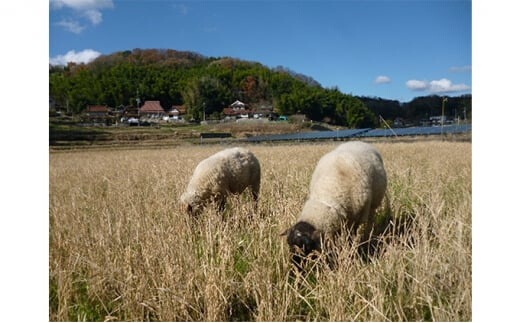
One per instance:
[(347, 185), (228, 171)]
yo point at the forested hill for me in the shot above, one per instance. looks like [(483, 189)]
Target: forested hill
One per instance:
[(190, 79)]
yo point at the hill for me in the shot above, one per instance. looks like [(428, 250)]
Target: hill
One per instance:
[(190, 79), (420, 108), (127, 78)]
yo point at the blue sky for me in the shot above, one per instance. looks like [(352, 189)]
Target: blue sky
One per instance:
[(390, 49)]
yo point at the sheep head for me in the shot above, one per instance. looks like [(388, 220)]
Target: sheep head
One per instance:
[(303, 239), (192, 204)]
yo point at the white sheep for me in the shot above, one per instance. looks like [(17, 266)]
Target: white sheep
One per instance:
[(228, 171), (347, 186)]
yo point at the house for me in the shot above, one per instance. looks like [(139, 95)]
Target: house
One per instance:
[(438, 120), (238, 105), (151, 109), (97, 111), (99, 114), (176, 112), (264, 110), (237, 109), (130, 112), (425, 122), (119, 110), (399, 122)]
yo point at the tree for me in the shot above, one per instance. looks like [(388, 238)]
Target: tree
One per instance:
[(358, 115), (205, 95), (388, 109)]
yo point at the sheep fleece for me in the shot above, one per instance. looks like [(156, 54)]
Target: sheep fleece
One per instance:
[(228, 171), (347, 185)]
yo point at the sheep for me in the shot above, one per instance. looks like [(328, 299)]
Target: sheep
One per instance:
[(347, 186), (228, 171)]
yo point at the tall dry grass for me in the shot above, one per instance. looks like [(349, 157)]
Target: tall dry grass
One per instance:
[(122, 249)]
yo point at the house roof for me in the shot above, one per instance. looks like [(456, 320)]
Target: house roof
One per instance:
[(180, 108), (232, 112), (97, 108), (151, 107), (237, 103)]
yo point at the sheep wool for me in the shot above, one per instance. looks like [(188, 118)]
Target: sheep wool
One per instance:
[(228, 171), (347, 186)]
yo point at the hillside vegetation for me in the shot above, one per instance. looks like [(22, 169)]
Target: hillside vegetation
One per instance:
[(212, 83), (198, 82)]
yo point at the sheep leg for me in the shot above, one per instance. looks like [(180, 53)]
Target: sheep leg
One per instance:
[(366, 247), (221, 202), (254, 192), (369, 227)]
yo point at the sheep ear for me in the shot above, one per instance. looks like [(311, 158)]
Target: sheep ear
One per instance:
[(318, 238), (316, 235), (286, 232)]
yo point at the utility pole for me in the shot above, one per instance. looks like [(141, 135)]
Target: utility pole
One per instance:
[(384, 121), (444, 100), (137, 100)]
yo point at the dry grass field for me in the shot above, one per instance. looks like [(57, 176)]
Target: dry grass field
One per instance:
[(122, 249)]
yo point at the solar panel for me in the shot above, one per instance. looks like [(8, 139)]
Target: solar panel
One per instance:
[(365, 132), (417, 131), (313, 135)]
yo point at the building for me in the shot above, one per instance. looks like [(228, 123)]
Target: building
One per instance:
[(97, 111), (264, 110), (399, 122), (130, 112), (176, 112), (98, 114), (237, 109), (152, 110), (438, 120)]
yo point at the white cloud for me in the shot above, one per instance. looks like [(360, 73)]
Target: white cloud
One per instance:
[(445, 85), (85, 56), (71, 25), (82, 4), (94, 16), (436, 86), (416, 85), (460, 69), (382, 79), (89, 9)]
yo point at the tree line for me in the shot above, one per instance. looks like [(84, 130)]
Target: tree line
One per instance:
[(211, 84), (421, 108)]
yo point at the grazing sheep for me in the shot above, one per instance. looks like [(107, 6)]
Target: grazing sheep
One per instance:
[(347, 186), (228, 171)]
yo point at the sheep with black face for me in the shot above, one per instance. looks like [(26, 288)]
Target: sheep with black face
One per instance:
[(229, 171), (347, 186)]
